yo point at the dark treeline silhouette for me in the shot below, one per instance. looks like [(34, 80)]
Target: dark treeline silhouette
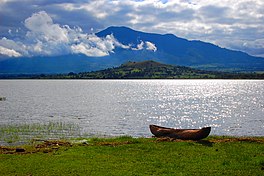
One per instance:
[(145, 70)]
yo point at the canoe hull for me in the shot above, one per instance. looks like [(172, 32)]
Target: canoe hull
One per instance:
[(184, 134)]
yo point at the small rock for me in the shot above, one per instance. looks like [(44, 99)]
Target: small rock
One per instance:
[(20, 150), (84, 141), (55, 148), (47, 150)]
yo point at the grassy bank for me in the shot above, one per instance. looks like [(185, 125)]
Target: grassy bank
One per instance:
[(142, 156)]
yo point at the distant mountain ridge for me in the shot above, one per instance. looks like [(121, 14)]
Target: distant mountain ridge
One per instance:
[(169, 49), (179, 51)]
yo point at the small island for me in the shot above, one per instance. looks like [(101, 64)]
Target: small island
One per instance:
[(149, 70), (2, 98)]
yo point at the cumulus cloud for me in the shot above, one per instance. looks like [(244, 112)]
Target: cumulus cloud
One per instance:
[(46, 38), (11, 45), (145, 45), (151, 46), (87, 50), (52, 39), (9, 52), (140, 46), (95, 46), (42, 28)]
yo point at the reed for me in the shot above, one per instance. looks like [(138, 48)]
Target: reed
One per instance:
[(24, 133)]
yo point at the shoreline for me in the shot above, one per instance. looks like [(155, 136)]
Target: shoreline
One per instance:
[(85, 140)]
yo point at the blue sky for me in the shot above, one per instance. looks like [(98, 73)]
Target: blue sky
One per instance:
[(28, 27)]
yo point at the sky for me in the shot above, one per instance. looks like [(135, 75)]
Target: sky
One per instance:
[(55, 27)]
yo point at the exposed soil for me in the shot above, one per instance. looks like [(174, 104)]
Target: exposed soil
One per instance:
[(45, 147), (240, 139)]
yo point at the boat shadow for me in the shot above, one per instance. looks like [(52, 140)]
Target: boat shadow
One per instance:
[(205, 143)]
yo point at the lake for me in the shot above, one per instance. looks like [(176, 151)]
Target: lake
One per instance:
[(127, 107)]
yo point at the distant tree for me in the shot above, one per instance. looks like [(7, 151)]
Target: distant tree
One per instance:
[(71, 74)]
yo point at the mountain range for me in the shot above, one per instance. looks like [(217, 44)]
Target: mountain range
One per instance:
[(165, 48)]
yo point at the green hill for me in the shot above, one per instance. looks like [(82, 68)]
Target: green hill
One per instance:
[(155, 70)]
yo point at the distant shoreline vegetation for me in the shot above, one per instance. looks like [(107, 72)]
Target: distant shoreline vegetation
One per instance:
[(142, 70)]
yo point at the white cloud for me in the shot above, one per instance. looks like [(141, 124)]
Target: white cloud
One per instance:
[(88, 50), (9, 52), (41, 27), (91, 45), (151, 46), (140, 46), (17, 46), (145, 45), (44, 37)]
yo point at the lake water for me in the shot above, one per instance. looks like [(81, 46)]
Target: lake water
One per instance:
[(127, 107)]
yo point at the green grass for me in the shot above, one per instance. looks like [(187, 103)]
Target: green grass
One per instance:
[(142, 156)]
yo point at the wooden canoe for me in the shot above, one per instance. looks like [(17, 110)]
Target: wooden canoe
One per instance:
[(184, 134)]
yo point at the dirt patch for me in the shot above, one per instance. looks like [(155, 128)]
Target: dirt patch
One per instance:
[(240, 139), (6, 149), (12, 150), (50, 144), (217, 140), (45, 147)]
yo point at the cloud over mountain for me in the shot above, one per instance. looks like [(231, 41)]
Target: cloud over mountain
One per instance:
[(145, 45), (46, 38)]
